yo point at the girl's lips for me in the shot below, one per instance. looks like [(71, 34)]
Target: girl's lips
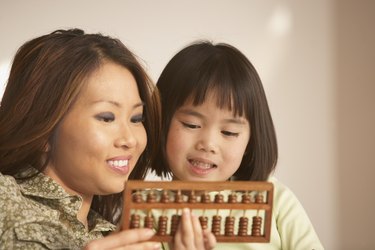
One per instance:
[(202, 164), (199, 167)]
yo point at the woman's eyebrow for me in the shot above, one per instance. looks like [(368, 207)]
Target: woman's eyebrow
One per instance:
[(117, 104)]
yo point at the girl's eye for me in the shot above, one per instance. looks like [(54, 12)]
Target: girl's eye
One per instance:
[(189, 125), (228, 133), (137, 118), (105, 117)]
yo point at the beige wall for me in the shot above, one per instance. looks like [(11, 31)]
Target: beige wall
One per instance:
[(316, 59), (355, 93)]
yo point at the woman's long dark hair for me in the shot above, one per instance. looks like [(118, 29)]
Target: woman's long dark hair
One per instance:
[(46, 77)]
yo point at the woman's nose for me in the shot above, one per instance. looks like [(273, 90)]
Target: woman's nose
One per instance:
[(126, 138)]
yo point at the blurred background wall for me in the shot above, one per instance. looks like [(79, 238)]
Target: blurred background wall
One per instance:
[(316, 60)]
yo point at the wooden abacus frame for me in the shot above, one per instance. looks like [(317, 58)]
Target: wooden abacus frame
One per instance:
[(133, 186)]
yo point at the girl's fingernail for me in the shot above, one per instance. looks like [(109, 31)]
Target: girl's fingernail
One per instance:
[(149, 232)]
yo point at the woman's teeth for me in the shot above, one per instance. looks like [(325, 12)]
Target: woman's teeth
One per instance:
[(118, 163)]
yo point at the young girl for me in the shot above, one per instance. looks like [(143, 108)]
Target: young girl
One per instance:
[(79, 116), (216, 126)]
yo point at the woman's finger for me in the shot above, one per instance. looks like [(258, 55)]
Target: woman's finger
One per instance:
[(120, 239)]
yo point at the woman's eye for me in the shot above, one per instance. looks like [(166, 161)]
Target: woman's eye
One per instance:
[(137, 118), (106, 117), (228, 133), (190, 125)]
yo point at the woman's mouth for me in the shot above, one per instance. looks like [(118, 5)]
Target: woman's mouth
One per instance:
[(118, 163), (119, 166)]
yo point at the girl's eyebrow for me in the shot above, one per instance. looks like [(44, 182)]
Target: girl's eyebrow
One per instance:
[(241, 121), (191, 112)]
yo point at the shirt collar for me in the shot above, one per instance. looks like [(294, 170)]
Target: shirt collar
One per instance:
[(49, 191), (40, 185)]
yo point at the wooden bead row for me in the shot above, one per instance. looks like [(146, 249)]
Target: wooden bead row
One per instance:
[(151, 197)]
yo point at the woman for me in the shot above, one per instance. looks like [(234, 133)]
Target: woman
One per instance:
[(79, 116)]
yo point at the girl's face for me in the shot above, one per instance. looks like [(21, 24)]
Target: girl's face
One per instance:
[(100, 139), (206, 143)]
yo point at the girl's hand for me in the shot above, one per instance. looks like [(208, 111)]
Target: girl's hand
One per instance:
[(133, 239), (190, 236)]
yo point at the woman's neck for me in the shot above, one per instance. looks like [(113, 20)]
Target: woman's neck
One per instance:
[(84, 210)]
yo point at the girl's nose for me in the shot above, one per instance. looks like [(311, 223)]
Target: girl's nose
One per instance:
[(207, 143)]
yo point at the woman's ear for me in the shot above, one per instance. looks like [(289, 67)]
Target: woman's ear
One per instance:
[(47, 147)]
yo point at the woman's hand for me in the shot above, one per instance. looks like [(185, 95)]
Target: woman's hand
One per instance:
[(190, 236), (133, 239)]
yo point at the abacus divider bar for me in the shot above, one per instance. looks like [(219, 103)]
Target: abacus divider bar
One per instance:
[(201, 186), (199, 205), (219, 238)]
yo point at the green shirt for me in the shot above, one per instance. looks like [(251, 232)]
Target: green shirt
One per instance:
[(38, 213)]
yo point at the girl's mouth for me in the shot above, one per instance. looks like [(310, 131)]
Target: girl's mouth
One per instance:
[(202, 165)]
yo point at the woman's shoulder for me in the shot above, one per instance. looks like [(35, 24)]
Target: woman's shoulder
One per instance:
[(10, 195), (8, 186)]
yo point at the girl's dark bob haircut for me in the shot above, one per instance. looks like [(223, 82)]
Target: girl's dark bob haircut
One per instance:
[(203, 67)]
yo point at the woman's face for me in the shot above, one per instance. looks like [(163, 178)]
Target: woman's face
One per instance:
[(100, 139)]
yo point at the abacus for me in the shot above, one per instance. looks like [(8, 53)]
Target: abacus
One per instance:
[(148, 204)]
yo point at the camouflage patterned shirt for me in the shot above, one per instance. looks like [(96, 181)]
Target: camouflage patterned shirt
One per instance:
[(39, 214)]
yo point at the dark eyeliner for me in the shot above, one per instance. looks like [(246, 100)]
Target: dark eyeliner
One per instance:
[(105, 116), (137, 118)]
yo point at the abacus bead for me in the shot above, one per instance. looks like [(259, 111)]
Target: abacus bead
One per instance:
[(219, 198), (232, 198), (179, 198), (149, 221), (162, 225), (164, 197), (229, 226), (192, 198), (259, 198), (242, 229), (174, 223), (256, 227), (216, 221), (134, 221), (204, 221), (246, 198), (151, 197), (205, 198)]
